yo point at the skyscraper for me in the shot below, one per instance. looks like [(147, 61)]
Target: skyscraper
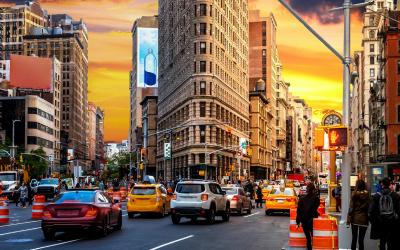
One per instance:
[(203, 88), (144, 50)]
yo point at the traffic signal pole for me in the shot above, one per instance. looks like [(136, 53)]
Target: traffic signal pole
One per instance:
[(344, 235)]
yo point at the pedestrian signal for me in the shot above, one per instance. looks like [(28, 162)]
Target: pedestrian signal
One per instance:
[(338, 137)]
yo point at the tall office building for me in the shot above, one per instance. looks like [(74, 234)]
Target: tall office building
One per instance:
[(264, 64), (144, 56), (203, 88), (15, 22), (67, 40)]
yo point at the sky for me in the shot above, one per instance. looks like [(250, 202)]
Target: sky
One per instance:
[(314, 73)]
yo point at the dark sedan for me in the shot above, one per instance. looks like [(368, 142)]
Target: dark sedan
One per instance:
[(82, 209)]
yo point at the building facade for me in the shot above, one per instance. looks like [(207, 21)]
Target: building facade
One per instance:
[(149, 125), (91, 132), (282, 105), (67, 40), (100, 155), (203, 88)]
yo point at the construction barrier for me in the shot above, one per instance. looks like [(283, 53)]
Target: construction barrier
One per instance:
[(321, 208), (297, 237), (4, 199), (39, 202), (325, 234), (4, 213), (123, 193)]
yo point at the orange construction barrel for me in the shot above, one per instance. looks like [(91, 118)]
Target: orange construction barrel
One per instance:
[(4, 213), (297, 237), (325, 234), (39, 202), (321, 208)]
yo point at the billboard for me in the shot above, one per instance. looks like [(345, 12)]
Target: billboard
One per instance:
[(29, 72), (147, 57)]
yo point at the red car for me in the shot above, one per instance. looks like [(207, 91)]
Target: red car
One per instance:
[(81, 209)]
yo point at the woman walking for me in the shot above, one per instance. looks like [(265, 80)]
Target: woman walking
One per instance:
[(259, 197), (358, 215), (307, 210)]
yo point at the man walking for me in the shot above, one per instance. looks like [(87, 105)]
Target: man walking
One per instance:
[(384, 216)]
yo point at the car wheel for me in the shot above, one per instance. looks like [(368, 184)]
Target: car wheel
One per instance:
[(249, 208), (267, 212), (104, 228), (49, 234), (240, 211), (175, 219), (193, 219), (211, 216), (131, 215), (227, 214), (119, 225)]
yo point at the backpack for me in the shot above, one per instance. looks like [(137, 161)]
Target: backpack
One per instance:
[(386, 209)]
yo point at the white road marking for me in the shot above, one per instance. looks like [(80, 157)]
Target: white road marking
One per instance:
[(124, 215), (19, 231), (53, 245), (9, 225), (251, 215), (172, 242)]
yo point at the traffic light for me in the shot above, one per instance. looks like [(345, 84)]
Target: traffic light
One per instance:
[(319, 138), (338, 137)]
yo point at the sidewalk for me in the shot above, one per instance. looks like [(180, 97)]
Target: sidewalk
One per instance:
[(369, 244)]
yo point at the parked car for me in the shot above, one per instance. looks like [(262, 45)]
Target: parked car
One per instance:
[(199, 198), (239, 200), (50, 188), (81, 209)]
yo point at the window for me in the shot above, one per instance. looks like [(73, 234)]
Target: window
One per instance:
[(371, 48), (398, 144), (211, 45), (202, 88), (202, 66), (398, 113), (203, 10), (372, 72), (372, 34), (195, 48), (398, 66), (398, 46), (195, 10), (203, 29), (371, 60), (195, 88), (211, 67), (264, 52), (398, 88), (203, 48), (202, 109), (371, 20), (194, 67), (202, 134)]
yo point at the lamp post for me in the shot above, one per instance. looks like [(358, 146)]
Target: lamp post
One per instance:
[(13, 139)]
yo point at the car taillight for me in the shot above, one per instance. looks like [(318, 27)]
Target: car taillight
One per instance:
[(91, 212), (204, 197), (270, 199), (174, 197), (46, 214), (290, 199), (235, 198)]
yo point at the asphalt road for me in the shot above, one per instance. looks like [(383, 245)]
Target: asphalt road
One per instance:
[(255, 231)]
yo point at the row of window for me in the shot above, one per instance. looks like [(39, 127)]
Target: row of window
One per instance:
[(41, 127), (34, 140), (37, 111)]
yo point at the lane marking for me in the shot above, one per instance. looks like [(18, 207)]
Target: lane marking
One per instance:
[(53, 245), (19, 231), (251, 215), (20, 223), (172, 242), (124, 215)]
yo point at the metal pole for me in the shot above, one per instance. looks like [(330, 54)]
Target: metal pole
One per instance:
[(205, 159), (172, 161)]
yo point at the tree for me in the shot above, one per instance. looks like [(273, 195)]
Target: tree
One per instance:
[(118, 165), (36, 166)]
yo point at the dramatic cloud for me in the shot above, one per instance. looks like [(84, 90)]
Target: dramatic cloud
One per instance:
[(319, 9)]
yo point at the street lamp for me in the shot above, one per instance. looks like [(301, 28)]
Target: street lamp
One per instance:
[(13, 139)]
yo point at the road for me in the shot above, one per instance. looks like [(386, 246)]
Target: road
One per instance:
[(255, 231)]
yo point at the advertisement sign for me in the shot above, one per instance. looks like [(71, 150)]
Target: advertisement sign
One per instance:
[(167, 151), (147, 57), (243, 143), (70, 154)]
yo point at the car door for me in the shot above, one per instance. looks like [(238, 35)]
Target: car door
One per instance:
[(221, 197)]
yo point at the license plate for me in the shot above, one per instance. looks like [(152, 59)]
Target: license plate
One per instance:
[(280, 201), (68, 213)]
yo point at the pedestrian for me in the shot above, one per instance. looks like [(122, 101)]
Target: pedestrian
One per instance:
[(384, 217), (78, 185), (63, 187), (30, 195), (337, 194), (101, 185), (358, 214), (23, 194), (16, 195), (307, 210), (259, 196)]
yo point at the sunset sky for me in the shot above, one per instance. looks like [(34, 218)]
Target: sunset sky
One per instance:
[(313, 72)]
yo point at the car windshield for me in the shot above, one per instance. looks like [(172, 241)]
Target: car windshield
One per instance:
[(7, 177), (49, 181), (230, 190), (190, 188), (286, 191), (76, 196), (144, 190), (268, 187)]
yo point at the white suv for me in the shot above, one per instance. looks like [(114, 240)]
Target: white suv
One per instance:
[(199, 198)]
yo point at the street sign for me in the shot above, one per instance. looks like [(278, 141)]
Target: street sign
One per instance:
[(167, 151), (243, 143)]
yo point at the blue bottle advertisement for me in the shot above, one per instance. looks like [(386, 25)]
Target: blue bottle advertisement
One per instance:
[(150, 68)]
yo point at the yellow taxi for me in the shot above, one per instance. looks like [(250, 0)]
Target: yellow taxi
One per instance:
[(280, 200), (148, 198), (266, 190)]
